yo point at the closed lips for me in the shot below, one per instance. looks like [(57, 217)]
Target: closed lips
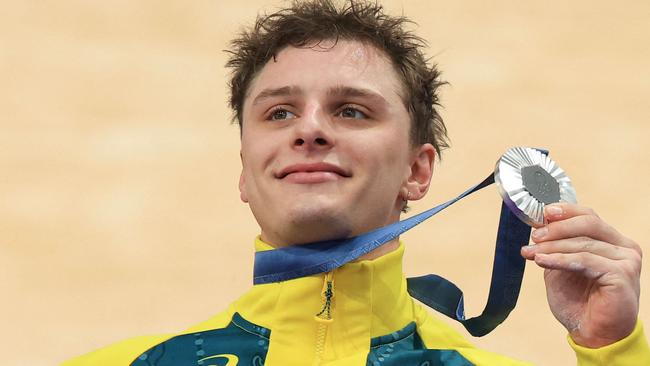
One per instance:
[(310, 168)]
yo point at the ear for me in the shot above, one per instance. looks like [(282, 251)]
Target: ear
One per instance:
[(417, 183), (242, 183)]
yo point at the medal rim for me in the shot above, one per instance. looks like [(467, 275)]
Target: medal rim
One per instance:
[(537, 157)]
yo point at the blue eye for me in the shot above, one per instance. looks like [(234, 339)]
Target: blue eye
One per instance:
[(281, 114), (353, 113)]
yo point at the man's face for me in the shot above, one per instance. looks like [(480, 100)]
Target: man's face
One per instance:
[(325, 144)]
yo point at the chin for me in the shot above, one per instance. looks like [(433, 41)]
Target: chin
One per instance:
[(313, 222)]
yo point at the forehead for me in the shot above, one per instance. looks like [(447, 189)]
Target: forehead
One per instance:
[(324, 65)]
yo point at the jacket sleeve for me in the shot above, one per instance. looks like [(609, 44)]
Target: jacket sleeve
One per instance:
[(630, 351)]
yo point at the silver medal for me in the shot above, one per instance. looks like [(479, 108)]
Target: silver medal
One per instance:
[(528, 180)]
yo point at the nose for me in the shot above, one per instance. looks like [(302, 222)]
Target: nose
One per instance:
[(313, 131)]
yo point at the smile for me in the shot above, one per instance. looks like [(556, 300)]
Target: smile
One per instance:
[(312, 173)]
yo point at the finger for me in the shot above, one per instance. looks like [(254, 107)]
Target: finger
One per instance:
[(583, 225), (564, 210), (577, 245), (589, 224), (590, 265)]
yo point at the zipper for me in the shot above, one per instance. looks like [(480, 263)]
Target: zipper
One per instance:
[(324, 317)]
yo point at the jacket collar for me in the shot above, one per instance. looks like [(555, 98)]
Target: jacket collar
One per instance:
[(369, 300)]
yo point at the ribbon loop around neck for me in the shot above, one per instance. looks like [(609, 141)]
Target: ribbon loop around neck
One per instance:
[(436, 292)]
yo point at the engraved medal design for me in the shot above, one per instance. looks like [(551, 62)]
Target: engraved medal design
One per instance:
[(528, 180)]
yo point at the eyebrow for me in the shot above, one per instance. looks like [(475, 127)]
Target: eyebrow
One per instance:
[(347, 91), (338, 91), (277, 92)]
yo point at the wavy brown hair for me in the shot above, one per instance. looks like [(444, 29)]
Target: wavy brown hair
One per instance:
[(305, 23)]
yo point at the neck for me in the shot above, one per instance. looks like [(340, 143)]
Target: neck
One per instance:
[(374, 254), (381, 251)]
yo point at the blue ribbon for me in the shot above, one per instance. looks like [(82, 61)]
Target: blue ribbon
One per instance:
[(436, 292)]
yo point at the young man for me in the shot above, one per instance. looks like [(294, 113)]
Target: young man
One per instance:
[(339, 132)]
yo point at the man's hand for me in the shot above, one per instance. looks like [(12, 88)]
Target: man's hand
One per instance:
[(591, 272)]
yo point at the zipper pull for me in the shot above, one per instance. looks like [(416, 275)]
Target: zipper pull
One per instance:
[(325, 315)]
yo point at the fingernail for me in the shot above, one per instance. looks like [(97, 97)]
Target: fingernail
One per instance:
[(528, 248), (540, 257), (554, 210), (540, 233)]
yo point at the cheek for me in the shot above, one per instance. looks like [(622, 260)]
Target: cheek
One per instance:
[(391, 151), (393, 166), (258, 152), (385, 164)]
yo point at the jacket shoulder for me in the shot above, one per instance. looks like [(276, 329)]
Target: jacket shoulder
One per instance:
[(120, 353), (436, 334), (126, 351)]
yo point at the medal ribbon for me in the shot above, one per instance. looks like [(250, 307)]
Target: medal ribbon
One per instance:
[(436, 292)]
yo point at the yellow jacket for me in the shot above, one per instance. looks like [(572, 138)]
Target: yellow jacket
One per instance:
[(367, 319)]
